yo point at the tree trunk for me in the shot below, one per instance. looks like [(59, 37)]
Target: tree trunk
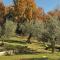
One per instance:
[(29, 37), (53, 45)]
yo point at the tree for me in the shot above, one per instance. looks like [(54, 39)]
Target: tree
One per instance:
[(25, 8), (2, 10), (2, 19), (2, 13), (10, 28), (52, 30), (33, 29)]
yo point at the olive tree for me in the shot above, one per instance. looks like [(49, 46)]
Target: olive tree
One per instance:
[(9, 30), (52, 27), (32, 29)]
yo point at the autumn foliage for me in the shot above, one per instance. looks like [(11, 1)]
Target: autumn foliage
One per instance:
[(28, 9), (2, 13), (56, 12), (2, 10)]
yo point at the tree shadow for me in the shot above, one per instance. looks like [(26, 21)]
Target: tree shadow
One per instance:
[(13, 41), (25, 50), (35, 59)]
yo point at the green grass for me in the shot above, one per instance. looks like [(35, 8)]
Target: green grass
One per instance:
[(34, 46), (55, 56)]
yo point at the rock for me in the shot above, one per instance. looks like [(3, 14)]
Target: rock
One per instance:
[(2, 53)]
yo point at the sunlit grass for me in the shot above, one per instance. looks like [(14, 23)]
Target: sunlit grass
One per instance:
[(54, 56)]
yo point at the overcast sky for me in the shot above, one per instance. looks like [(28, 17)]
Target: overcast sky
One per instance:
[(47, 5)]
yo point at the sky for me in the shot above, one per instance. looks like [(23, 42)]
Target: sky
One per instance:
[(47, 5)]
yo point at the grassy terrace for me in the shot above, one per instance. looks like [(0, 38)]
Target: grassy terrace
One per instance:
[(20, 41)]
